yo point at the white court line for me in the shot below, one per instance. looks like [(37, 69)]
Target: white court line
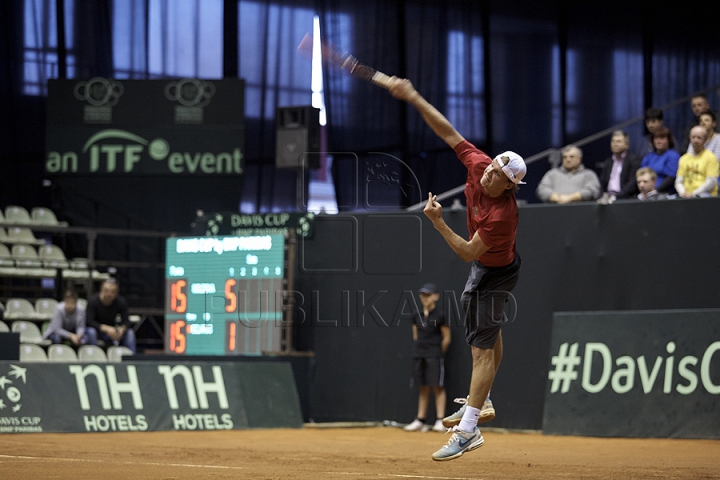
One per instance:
[(25, 457), (397, 475)]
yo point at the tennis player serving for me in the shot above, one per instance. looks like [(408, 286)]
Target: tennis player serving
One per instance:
[(492, 220)]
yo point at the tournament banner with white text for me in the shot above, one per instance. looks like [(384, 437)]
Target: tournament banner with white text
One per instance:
[(634, 374), (145, 396), (172, 127)]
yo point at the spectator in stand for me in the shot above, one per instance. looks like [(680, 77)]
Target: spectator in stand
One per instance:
[(617, 177), (699, 104), (698, 172), (663, 160), (646, 179), (708, 120), (570, 182), (107, 316), (68, 323), (654, 119)]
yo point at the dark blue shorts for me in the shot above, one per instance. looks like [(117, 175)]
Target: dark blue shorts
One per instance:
[(487, 291), (428, 371)]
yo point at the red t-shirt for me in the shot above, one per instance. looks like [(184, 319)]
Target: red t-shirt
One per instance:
[(495, 219)]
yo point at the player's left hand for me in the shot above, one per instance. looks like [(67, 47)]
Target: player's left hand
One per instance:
[(401, 88), (433, 210)]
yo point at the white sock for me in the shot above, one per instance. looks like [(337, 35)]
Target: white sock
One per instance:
[(470, 419)]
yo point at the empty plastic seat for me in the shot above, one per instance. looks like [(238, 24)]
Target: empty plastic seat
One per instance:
[(52, 256), (7, 264), (23, 235), (61, 353), (19, 309), (80, 268), (4, 327), (3, 235), (82, 302), (45, 308), (26, 256), (45, 216), (92, 354), (79, 263), (115, 353), (17, 214), (29, 333), (28, 262), (32, 353)]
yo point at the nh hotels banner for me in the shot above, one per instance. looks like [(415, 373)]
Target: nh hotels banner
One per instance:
[(146, 396)]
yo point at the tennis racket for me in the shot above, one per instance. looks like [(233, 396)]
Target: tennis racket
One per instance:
[(337, 58)]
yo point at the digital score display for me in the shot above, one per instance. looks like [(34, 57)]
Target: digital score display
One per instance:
[(223, 295)]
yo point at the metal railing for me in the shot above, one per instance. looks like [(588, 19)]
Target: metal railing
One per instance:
[(554, 155)]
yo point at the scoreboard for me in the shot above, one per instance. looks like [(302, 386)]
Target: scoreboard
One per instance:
[(224, 295)]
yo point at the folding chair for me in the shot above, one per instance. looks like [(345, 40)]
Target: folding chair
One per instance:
[(45, 308), (19, 309), (45, 216), (23, 235), (62, 353), (29, 333), (92, 354), (52, 256), (17, 214), (115, 353), (7, 264), (32, 353)]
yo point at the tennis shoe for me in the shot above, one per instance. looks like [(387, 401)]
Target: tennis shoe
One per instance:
[(459, 443), (414, 426), (487, 413), (439, 427)]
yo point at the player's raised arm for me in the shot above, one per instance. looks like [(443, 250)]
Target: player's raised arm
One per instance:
[(403, 89)]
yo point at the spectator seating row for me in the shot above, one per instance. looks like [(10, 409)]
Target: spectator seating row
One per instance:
[(33, 351), (43, 308), (37, 216), (60, 353), (29, 333), (24, 261), (15, 235)]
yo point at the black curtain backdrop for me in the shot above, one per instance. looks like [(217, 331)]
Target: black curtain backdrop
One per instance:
[(520, 75)]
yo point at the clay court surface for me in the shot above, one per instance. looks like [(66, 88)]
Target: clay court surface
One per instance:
[(347, 453)]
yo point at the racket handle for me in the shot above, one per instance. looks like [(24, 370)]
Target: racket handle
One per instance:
[(381, 80)]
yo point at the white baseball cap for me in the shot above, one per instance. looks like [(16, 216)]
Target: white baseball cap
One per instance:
[(515, 168)]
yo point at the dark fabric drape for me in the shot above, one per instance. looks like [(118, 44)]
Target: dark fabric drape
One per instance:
[(11, 15), (521, 75), (93, 39)]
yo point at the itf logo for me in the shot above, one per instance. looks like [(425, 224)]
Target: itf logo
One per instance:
[(101, 94), (190, 92), (192, 95)]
